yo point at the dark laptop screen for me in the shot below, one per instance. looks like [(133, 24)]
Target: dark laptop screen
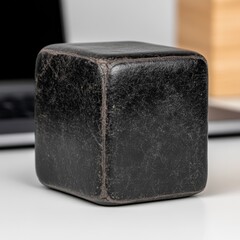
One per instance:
[(26, 27)]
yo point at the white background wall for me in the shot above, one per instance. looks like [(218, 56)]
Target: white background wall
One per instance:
[(112, 20)]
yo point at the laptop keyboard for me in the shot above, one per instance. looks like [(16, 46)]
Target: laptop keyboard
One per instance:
[(17, 107)]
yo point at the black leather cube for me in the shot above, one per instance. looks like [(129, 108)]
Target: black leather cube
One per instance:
[(121, 122)]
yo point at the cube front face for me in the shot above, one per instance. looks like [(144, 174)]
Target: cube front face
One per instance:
[(157, 129), (118, 131)]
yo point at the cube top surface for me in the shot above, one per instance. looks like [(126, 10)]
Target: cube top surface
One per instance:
[(123, 49)]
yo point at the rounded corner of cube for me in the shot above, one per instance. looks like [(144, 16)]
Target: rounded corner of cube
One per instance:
[(41, 178), (202, 60), (202, 186)]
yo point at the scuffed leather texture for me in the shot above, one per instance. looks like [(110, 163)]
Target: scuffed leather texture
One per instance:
[(121, 122)]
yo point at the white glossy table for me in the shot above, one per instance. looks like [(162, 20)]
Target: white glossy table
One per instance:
[(30, 211)]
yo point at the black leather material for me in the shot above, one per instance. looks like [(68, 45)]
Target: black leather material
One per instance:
[(121, 122), (118, 50)]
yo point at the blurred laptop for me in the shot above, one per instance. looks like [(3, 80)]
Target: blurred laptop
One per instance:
[(224, 117), (26, 27)]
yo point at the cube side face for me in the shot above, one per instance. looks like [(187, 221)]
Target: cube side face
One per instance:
[(68, 124), (157, 129)]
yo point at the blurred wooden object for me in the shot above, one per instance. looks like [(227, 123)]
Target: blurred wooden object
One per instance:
[(212, 27)]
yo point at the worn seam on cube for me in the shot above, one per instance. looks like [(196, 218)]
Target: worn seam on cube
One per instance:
[(105, 74)]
